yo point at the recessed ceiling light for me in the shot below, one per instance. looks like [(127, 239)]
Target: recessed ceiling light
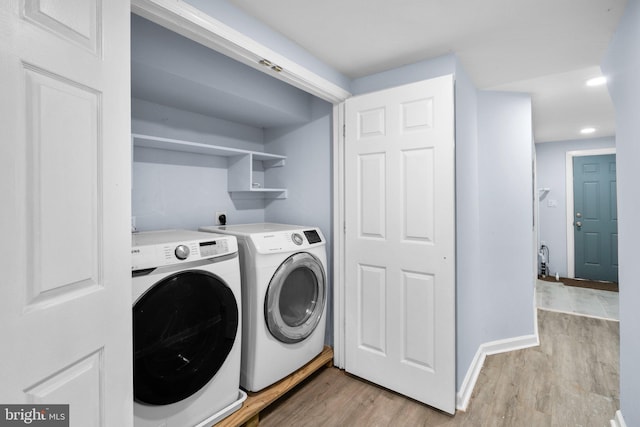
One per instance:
[(586, 131), (597, 81)]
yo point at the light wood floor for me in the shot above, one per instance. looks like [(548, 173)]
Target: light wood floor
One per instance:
[(571, 379)]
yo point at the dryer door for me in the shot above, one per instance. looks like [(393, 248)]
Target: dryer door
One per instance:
[(295, 298), (183, 329)]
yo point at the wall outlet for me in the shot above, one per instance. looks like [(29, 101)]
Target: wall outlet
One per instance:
[(218, 213)]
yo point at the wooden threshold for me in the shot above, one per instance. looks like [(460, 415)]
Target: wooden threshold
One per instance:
[(249, 413)]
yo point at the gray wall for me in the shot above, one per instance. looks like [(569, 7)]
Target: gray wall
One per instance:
[(430, 68), (622, 65), (174, 189), (551, 173), (468, 263), (308, 177), (185, 91), (184, 190), (170, 69), (506, 215), (495, 277), (171, 189)]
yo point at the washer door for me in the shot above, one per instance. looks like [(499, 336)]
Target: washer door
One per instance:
[(183, 329), (295, 298)]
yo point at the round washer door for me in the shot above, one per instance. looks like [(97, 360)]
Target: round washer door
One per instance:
[(295, 298), (183, 330)]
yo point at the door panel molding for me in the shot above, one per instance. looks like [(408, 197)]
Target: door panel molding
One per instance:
[(79, 21), (55, 232), (571, 273)]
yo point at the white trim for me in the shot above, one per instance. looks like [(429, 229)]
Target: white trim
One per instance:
[(618, 421), (338, 238), (573, 313), (535, 310), (463, 396), (192, 23), (571, 273), (494, 347)]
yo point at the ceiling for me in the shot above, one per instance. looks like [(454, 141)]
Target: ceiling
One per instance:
[(547, 48)]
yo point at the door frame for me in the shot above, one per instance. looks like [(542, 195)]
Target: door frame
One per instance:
[(339, 236), (571, 267)]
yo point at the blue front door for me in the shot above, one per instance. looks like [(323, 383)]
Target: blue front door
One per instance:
[(595, 220)]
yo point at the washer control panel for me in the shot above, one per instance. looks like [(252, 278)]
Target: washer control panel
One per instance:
[(182, 251), (297, 239), (157, 249)]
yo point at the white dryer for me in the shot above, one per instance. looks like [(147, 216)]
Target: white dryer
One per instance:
[(284, 291), (186, 327)]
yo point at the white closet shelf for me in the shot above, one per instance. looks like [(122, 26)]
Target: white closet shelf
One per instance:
[(148, 141), (259, 193), (240, 174)]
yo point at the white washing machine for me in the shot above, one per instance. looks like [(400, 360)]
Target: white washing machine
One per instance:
[(187, 328), (284, 291)]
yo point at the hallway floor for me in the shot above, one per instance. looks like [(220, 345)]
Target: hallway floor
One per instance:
[(571, 379), (555, 296)]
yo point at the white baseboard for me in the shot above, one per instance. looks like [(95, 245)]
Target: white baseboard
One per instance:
[(494, 347), (618, 421), (466, 388)]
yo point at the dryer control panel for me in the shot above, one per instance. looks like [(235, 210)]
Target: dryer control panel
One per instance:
[(270, 238), (281, 241), (161, 248)]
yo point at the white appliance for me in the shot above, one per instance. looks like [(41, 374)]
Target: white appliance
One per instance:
[(187, 327), (284, 292)]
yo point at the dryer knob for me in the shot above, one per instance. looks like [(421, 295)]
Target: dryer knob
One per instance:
[(297, 239), (182, 251)]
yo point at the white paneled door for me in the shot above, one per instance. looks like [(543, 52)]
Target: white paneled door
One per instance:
[(400, 240), (65, 295)]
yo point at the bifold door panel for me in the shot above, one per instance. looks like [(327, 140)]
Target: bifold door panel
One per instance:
[(400, 240)]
